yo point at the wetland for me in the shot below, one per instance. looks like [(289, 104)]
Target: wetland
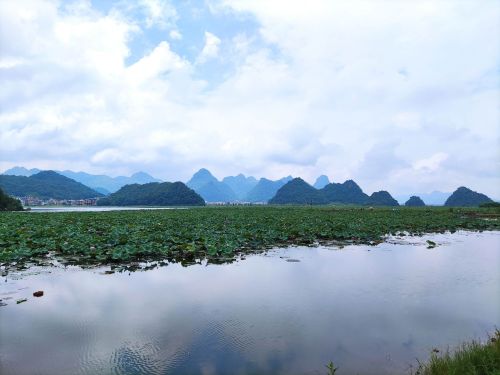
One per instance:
[(282, 290)]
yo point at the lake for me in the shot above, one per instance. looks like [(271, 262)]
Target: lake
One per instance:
[(369, 309), (97, 208)]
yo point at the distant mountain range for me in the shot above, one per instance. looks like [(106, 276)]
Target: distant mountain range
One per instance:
[(101, 183), (211, 189), (153, 194), (266, 189), (20, 181), (230, 189), (21, 171), (240, 184), (234, 188), (297, 191), (46, 185)]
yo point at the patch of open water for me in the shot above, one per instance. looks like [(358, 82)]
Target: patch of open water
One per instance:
[(369, 309)]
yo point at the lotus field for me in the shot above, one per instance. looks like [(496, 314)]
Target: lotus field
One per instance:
[(218, 234)]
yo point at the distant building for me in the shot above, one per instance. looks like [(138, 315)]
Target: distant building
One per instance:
[(34, 201)]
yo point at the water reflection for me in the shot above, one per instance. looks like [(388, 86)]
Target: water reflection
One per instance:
[(368, 311)]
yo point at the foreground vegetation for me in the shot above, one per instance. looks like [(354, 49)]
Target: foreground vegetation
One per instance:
[(471, 358), (215, 233)]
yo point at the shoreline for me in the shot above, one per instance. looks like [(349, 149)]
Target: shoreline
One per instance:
[(216, 234)]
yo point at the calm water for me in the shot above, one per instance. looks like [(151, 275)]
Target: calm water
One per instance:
[(97, 208), (371, 310)]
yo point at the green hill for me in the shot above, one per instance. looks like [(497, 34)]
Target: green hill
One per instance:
[(465, 197), (153, 194), (297, 191), (347, 193), (8, 203), (381, 198), (414, 201), (46, 185)]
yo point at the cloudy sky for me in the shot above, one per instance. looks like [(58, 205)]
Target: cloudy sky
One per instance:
[(400, 95)]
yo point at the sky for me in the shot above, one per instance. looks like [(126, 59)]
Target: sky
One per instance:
[(398, 95)]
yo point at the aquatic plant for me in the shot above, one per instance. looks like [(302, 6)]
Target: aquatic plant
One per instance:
[(213, 233), (331, 368)]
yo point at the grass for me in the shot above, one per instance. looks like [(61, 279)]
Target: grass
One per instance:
[(214, 233), (472, 358)]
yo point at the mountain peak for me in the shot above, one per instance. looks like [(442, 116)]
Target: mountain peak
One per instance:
[(297, 191), (382, 198), (286, 179), (466, 197), (48, 174), (203, 172), (21, 171), (321, 182), (201, 178), (143, 178), (414, 201), (140, 174), (350, 183), (348, 192)]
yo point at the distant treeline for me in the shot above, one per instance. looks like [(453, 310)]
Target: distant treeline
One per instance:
[(8, 203)]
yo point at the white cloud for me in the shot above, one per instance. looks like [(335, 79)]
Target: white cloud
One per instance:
[(160, 61), (399, 95), (175, 35), (210, 49), (149, 13), (159, 12), (431, 163)]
